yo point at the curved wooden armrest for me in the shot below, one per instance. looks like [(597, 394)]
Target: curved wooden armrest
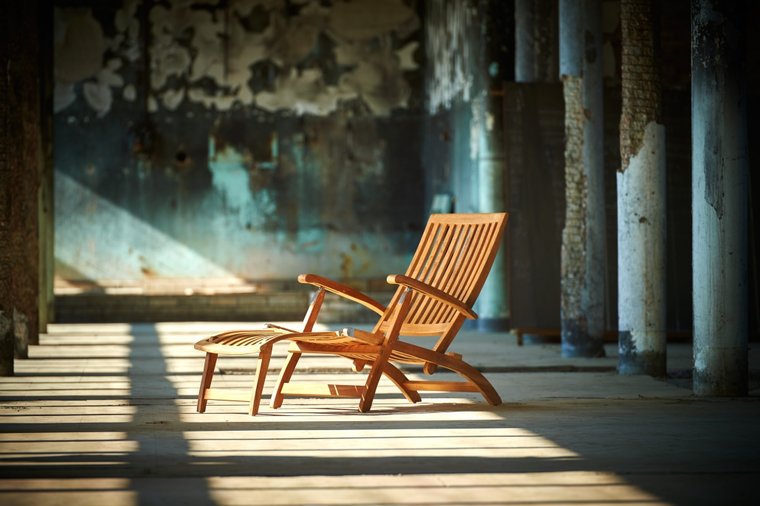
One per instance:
[(342, 290), (431, 291)]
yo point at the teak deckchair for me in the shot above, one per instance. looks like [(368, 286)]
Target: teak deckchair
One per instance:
[(433, 298)]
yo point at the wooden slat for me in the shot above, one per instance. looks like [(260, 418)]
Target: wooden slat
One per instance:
[(424, 329), (440, 386), (405, 358), (322, 390), (451, 248), (431, 254), (425, 290), (216, 394), (341, 290), (427, 235), (463, 269), (438, 312), (339, 349), (424, 255), (488, 256), (443, 250), (472, 265), (451, 278)]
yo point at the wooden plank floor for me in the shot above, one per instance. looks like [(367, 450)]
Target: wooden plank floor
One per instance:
[(105, 414)]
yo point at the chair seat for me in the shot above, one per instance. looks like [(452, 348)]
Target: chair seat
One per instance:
[(247, 342), (239, 342)]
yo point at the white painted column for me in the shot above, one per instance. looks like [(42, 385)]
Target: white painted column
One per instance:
[(642, 227), (641, 198)]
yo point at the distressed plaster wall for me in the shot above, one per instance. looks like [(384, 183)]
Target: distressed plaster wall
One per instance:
[(248, 138)]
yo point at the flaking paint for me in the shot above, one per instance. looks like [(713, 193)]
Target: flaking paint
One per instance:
[(265, 152), (206, 52), (641, 256), (449, 27)]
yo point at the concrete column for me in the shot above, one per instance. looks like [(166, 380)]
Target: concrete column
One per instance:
[(46, 190), (19, 177), (641, 207), (583, 243), (720, 166), (493, 303), (495, 64), (6, 345), (536, 41), (46, 250), (6, 175)]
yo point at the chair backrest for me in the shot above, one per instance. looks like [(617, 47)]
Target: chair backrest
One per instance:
[(455, 255)]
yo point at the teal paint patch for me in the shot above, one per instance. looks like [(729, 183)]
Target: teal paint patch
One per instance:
[(231, 179), (230, 176)]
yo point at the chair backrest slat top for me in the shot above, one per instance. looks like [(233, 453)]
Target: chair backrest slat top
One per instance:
[(455, 255)]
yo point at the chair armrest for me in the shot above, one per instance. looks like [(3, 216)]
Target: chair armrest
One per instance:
[(431, 291), (342, 290)]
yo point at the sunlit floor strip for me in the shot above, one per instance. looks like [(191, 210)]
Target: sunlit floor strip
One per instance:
[(84, 492), (462, 489), (567, 488)]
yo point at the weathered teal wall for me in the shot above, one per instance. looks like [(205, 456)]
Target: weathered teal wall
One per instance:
[(252, 138)]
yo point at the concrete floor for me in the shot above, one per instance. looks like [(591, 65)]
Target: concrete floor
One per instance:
[(105, 414)]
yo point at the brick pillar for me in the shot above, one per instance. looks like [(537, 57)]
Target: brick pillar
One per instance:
[(641, 192), (583, 237)]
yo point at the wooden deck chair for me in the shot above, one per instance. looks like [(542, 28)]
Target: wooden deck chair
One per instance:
[(433, 298)]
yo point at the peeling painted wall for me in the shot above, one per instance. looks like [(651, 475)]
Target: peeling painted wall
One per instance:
[(265, 53), (449, 33), (469, 53), (250, 138)]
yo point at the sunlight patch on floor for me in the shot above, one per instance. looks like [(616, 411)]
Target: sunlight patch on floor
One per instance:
[(508, 488)]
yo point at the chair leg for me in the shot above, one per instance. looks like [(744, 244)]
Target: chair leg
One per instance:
[(258, 382), (475, 377), (285, 374), (208, 375), (380, 363), (399, 378), (487, 391), (370, 387)]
